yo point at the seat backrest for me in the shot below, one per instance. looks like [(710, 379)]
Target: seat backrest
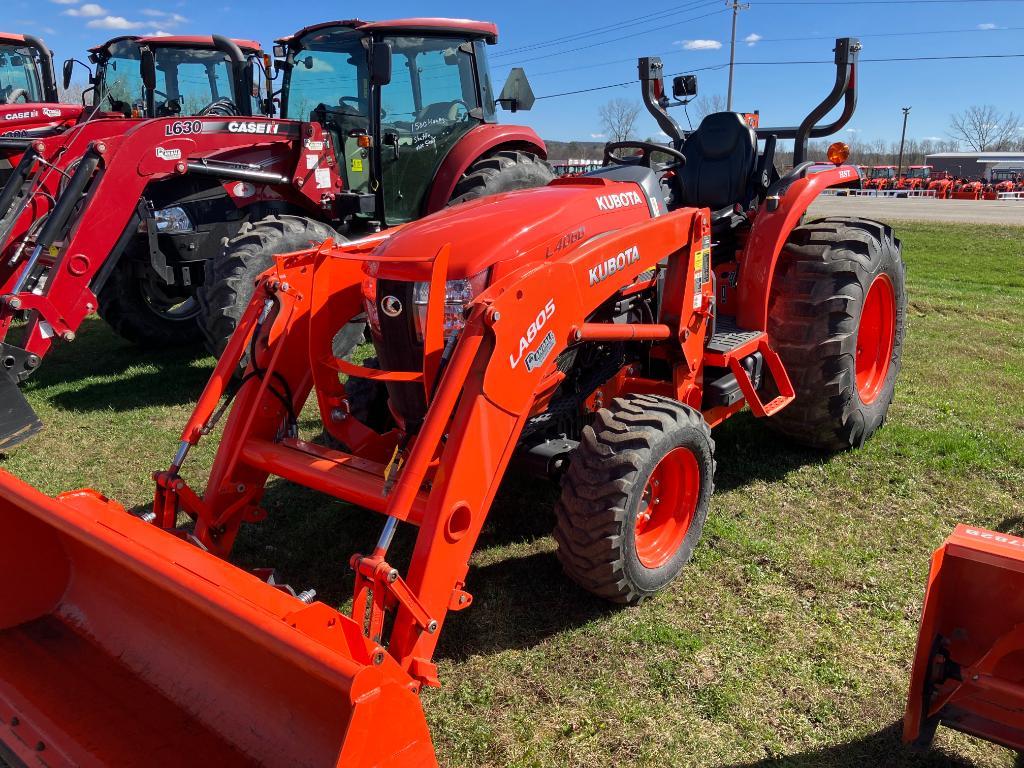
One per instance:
[(720, 159)]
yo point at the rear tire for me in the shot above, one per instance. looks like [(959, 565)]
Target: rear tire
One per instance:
[(502, 171), (615, 537), (136, 310), (831, 271), (231, 275)]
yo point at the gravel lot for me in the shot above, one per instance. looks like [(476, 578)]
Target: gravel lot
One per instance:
[(923, 209)]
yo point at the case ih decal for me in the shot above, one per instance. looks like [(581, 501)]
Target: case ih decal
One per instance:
[(270, 129)]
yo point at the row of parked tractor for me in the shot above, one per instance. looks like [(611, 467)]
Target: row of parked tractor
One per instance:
[(943, 185), (594, 330)]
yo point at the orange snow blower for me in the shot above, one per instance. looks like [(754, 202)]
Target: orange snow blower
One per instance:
[(969, 667), (595, 329)]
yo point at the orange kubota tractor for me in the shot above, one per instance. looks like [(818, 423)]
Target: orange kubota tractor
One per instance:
[(916, 178), (969, 667), (881, 177), (382, 122), (597, 328), (29, 103)]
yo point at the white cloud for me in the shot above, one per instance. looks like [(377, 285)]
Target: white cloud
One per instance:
[(597, 135), (853, 130), (987, 25), (115, 22), (700, 45), (89, 9), (65, 2), (164, 17), (752, 39), (159, 33)]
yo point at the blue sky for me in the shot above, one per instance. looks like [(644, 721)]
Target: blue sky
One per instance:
[(688, 34)]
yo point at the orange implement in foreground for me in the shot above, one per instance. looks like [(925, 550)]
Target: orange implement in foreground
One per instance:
[(969, 667), (122, 646)]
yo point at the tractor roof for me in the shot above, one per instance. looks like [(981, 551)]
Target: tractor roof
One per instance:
[(462, 27), (11, 37), (178, 41)]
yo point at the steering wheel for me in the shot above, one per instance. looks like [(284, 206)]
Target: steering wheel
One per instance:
[(453, 112), (15, 94), (219, 108), (648, 150)]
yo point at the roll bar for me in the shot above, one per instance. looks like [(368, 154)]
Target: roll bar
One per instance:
[(239, 67), (46, 62), (847, 50)]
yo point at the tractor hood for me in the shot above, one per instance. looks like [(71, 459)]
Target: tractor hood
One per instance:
[(499, 232), (25, 117)]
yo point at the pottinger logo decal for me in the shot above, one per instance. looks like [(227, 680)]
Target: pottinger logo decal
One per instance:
[(620, 200), (168, 154), (535, 358), (259, 128), (609, 267), (51, 112)]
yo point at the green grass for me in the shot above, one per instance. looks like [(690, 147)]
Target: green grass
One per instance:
[(787, 642)]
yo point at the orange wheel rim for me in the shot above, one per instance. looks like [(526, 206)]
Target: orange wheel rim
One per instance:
[(667, 507), (876, 337)]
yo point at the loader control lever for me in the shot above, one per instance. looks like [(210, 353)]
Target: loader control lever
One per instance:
[(648, 149)]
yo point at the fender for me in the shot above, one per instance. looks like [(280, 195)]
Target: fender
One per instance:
[(477, 142), (768, 236)]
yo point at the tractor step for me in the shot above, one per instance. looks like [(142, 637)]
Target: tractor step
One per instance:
[(734, 348)]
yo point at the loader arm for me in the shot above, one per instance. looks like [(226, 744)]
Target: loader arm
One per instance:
[(98, 209)]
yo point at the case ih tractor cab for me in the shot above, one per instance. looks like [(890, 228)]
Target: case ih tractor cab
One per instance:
[(29, 102), (597, 328), (382, 123)]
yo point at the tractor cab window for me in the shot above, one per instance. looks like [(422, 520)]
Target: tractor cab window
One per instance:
[(919, 173), (188, 80), (433, 99), (19, 76)]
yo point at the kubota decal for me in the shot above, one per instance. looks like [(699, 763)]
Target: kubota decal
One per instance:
[(531, 333), (617, 263), (261, 128), (618, 200), (183, 128)]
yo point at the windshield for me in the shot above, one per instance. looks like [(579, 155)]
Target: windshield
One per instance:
[(19, 75), (187, 80), (919, 173), (883, 173), (330, 68)]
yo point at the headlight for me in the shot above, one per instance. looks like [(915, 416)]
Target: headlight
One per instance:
[(173, 219), (457, 294)]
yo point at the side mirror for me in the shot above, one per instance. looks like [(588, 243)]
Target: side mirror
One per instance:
[(280, 51), (147, 69), (684, 86), (69, 66), (380, 63), (516, 94)]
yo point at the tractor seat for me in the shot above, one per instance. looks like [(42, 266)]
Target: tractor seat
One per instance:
[(720, 159)]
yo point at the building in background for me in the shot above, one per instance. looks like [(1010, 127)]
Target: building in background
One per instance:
[(988, 166)]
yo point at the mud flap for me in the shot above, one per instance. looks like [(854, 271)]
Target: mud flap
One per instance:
[(18, 422), (969, 667), (123, 644)]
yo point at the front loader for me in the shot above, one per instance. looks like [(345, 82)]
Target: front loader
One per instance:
[(595, 330), (968, 670), (161, 226)]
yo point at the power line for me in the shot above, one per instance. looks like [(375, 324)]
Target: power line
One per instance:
[(800, 62), (632, 22), (880, 2)]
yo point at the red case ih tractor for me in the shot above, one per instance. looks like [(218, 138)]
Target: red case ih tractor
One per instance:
[(29, 102), (137, 231), (969, 666), (597, 328)]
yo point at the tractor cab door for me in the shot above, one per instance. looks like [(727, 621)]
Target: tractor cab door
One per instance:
[(431, 102)]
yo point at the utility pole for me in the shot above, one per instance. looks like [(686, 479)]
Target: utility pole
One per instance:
[(903, 138), (736, 8)]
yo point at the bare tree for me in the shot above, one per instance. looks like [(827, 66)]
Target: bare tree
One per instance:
[(72, 94), (708, 105), (985, 128), (618, 118)]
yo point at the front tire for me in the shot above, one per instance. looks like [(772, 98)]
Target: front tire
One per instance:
[(837, 318), (145, 312), (502, 171), (232, 274), (635, 497)]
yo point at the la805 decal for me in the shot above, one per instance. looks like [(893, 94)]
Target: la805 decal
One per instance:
[(539, 355), (183, 128)]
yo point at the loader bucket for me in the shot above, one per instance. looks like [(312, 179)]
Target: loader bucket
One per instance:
[(969, 667), (18, 422), (124, 644)]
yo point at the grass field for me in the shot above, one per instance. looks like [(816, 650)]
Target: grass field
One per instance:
[(788, 641)]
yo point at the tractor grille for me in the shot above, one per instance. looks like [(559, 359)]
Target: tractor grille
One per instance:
[(399, 350)]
